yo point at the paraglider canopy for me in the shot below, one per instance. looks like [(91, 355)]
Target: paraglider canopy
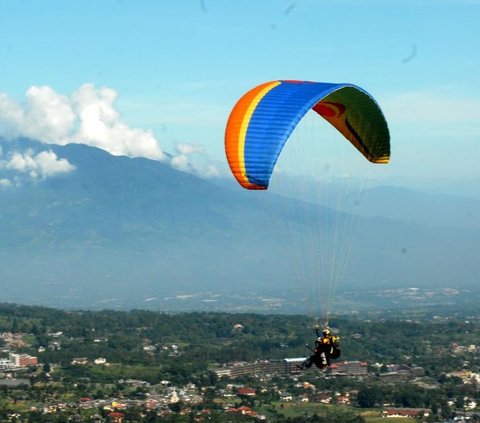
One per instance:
[(263, 119)]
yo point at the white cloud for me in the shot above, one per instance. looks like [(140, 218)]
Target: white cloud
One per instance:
[(183, 148), (11, 116), (37, 166), (5, 183), (198, 166), (49, 164), (45, 115), (100, 125), (181, 163), (48, 115), (206, 170), (87, 116)]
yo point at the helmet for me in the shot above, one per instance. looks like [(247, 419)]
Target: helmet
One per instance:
[(326, 331)]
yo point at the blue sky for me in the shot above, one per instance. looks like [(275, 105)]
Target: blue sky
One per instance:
[(179, 66)]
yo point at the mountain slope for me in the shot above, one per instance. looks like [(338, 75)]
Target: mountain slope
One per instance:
[(118, 232)]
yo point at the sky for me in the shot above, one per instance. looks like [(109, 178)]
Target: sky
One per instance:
[(158, 78)]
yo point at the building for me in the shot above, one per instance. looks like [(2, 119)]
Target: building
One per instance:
[(349, 368), (401, 373), (342, 399), (291, 364), (395, 377), (80, 361), (323, 397), (116, 417), (245, 411), (249, 392), (6, 364), (241, 368), (406, 412), (462, 374), (288, 366), (23, 360), (285, 397)]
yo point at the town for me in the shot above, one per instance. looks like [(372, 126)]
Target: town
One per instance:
[(120, 367)]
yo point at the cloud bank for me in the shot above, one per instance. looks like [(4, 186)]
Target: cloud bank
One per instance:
[(38, 166), (198, 165), (88, 116)]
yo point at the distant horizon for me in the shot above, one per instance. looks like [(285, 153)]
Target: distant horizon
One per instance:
[(351, 302)]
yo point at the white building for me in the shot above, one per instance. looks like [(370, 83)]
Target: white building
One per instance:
[(6, 364), (23, 360)]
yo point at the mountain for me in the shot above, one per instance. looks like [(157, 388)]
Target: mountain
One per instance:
[(397, 203), (425, 209), (131, 232)]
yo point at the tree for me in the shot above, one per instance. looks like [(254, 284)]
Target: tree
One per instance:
[(369, 397)]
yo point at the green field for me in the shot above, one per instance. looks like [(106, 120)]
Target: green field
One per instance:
[(296, 409)]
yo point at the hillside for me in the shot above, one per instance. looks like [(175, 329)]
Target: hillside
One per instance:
[(123, 232)]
